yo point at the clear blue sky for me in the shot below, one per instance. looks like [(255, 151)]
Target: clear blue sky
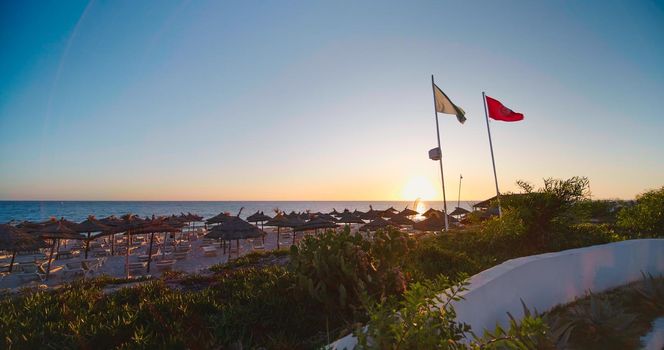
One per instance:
[(324, 100)]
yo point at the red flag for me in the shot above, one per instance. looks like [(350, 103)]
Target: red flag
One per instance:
[(499, 112)]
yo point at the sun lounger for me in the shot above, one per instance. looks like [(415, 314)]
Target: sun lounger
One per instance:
[(65, 254), (73, 269), (90, 266), (209, 251), (137, 268), (258, 245), (180, 255), (100, 252), (183, 247), (165, 265)]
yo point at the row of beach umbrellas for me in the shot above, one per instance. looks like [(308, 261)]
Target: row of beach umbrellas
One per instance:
[(27, 236)]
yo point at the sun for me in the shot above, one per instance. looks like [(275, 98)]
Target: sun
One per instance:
[(418, 187)]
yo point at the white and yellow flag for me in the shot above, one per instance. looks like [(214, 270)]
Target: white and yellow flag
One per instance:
[(445, 105)]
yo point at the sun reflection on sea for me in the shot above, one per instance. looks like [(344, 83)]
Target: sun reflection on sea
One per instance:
[(420, 208)]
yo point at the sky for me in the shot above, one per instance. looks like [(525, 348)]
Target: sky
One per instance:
[(325, 100)]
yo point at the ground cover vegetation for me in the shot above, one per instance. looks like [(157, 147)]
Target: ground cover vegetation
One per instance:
[(334, 283)]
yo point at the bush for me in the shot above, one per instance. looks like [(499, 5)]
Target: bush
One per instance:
[(254, 307), (583, 235), (430, 259), (342, 269), (646, 218), (421, 320), (547, 210)]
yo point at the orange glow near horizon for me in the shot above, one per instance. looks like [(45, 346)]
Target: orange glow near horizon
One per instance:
[(418, 187)]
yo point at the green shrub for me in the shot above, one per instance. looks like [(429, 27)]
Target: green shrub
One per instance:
[(341, 269), (597, 322), (546, 211), (251, 259), (531, 332), (254, 307), (646, 218), (421, 320), (583, 235), (430, 259)]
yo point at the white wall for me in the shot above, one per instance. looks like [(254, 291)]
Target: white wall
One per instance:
[(546, 280)]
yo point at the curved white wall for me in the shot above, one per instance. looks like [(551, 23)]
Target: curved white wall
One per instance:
[(546, 280)]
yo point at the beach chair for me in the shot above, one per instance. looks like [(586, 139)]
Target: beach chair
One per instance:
[(209, 251), (26, 267), (183, 248), (65, 254), (180, 255), (136, 268), (90, 266), (73, 269), (257, 244), (165, 265), (97, 253)]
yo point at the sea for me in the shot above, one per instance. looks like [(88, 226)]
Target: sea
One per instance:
[(80, 210)]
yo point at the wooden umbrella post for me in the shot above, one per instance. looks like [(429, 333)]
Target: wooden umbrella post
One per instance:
[(150, 251), (50, 258), (87, 245), (127, 252), (163, 252), (11, 264)]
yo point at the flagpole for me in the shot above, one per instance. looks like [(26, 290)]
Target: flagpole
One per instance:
[(493, 161), (440, 161), (459, 198)]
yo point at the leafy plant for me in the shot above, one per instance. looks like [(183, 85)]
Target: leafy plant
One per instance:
[(339, 269), (423, 319), (431, 258), (648, 296), (597, 323), (646, 218), (531, 332)]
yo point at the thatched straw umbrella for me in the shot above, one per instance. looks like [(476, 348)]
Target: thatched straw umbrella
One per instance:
[(458, 211), (371, 214), (191, 219), (278, 221), (388, 213), (358, 213), (431, 211), (16, 240), (401, 220), (324, 216), (377, 224), (172, 221), (391, 210), (234, 229), (435, 222), (56, 231), (91, 224), (257, 217), (116, 226), (219, 218), (153, 226), (129, 222), (348, 218), (407, 212), (314, 224), (334, 212), (293, 222)]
